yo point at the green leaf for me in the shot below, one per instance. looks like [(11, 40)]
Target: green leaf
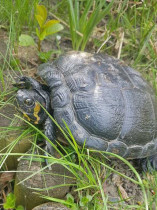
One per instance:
[(19, 207), (89, 197), (26, 40), (40, 20), (70, 198), (50, 23), (10, 201), (85, 200), (53, 29), (42, 12), (37, 32), (44, 56), (42, 35)]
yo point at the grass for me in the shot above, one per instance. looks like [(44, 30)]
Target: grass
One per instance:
[(84, 23), (87, 171), (126, 29), (18, 14)]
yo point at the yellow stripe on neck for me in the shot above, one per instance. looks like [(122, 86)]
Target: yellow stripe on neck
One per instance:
[(36, 111), (26, 116)]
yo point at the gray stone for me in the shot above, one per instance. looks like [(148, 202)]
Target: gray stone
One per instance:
[(51, 206), (58, 175)]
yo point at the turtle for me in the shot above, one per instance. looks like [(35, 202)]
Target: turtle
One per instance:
[(107, 105)]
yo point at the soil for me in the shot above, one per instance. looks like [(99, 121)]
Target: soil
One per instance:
[(115, 186), (118, 186)]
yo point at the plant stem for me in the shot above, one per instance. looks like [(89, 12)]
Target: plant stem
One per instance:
[(39, 45)]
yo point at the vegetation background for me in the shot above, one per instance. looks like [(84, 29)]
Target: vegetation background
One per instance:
[(126, 29)]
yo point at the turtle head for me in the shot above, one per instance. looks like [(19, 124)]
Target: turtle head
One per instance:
[(29, 103)]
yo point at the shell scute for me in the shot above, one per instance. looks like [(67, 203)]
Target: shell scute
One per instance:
[(139, 122), (60, 97), (149, 149), (100, 112), (134, 152), (117, 147)]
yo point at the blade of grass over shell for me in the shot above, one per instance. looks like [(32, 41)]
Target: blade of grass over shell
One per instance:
[(72, 138), (67, 133), (74, 145)]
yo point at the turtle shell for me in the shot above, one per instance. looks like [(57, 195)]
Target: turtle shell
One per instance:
[(106, 104)]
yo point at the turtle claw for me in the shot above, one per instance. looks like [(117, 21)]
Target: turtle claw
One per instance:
[(149, 164), (22, 83), (48, 149), (27, 83)]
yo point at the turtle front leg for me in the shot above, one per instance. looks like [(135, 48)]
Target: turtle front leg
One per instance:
[(149, 163), (50, 132)]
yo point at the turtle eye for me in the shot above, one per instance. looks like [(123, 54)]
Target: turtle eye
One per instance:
[(29, 102)]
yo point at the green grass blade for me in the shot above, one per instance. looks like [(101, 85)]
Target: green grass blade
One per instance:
[(93, 20), (145, 43)]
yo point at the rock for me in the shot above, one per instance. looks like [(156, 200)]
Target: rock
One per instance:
[(51, 206), (9, 128), (22, 146), (10, 125), (42, 179)]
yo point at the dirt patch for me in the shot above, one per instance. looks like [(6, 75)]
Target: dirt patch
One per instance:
[(119, 188)]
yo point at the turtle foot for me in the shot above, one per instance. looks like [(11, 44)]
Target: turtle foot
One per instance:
[(149, 163), (27, 83), (22, 83)]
